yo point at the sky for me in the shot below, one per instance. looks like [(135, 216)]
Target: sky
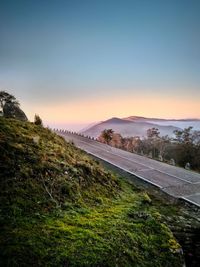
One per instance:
[(75, 62)]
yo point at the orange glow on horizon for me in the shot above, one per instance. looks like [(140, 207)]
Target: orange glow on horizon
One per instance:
[(86, 111)]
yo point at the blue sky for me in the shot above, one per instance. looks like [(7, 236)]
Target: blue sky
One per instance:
[(63, 53)]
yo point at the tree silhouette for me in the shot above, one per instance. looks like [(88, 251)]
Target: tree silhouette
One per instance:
[(106, 136), (10, 107), (6, 98), (38, 120), (153, 133)]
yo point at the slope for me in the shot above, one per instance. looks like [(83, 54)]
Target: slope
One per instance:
[(59, 207)]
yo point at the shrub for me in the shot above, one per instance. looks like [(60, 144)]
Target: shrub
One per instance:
[(38, 120)]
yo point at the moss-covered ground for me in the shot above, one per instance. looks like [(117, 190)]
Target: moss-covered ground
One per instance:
[(59, 207)]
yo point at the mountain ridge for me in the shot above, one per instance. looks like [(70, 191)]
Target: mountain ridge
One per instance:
[(138, 126), (158, 119)]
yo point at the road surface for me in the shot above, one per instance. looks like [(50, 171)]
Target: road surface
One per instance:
[(175, 181)]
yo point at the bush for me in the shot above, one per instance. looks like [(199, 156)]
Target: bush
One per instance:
[(38, 120)]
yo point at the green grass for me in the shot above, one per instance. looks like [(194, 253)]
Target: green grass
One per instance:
[(59, 207)]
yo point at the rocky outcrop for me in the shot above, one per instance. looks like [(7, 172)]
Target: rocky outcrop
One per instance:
[(189, 239), (186, 229), (11, 110)]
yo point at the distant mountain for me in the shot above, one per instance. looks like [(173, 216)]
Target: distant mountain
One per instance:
[(116, 121), (88, 126), (138, 126), (138, 118)]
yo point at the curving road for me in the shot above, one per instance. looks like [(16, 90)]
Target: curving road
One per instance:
[(175, 181)]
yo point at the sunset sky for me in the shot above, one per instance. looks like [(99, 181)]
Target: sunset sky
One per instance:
[(81, 61)]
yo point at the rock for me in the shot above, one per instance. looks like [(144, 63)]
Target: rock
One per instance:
[(150, 155), (187, 166), (172, 162), (36, 139), (11, 110)]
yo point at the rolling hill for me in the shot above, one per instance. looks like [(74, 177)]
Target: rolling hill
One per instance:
[(60, 207), (138, 126)]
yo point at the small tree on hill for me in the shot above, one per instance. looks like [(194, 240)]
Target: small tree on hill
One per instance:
[(153, 133), (152, 139), (38, 120), (106, 136)]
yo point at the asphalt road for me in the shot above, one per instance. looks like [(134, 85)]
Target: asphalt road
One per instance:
[(175, 181)]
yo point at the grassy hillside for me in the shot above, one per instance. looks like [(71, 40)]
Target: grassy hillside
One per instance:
[(59, 207)]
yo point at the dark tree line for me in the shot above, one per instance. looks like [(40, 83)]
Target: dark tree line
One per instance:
[(181, 150)]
